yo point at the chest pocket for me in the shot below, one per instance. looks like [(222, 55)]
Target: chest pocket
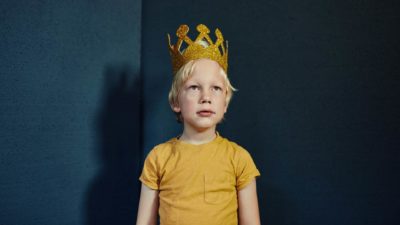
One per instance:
[(218, 188)]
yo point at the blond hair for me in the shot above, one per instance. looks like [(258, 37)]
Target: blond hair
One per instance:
[(183, 74)]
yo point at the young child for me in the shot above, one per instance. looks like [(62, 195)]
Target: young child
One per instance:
[(199, 177)]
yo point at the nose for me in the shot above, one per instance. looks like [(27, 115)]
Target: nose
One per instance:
[(205, 97)]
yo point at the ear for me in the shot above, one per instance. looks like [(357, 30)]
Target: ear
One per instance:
[(176, 108)]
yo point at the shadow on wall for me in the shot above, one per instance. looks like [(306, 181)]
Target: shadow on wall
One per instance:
[(113, 195)]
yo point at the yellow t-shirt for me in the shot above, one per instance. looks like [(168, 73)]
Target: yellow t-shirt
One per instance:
[(198, 184)]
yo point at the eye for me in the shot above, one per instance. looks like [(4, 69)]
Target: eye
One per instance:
[(193, 87), (217, 88)]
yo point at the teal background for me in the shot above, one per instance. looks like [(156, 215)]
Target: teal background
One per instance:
[(83, 99), (69, 134)]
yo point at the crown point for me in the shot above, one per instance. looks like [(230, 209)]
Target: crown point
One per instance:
[(182, 31), (219, 34), (202, 29)]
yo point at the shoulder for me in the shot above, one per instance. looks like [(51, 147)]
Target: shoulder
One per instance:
[(163, 149), (234, 148), (241, 160)]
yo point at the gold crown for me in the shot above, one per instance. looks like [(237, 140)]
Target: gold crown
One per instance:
[(196, 50)]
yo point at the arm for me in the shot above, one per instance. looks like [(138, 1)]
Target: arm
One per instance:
[(248, 205), (148, 206)]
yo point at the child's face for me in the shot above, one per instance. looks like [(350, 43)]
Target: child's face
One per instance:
[(202, 98)]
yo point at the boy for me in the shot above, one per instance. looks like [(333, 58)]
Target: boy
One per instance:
[(199, 177)]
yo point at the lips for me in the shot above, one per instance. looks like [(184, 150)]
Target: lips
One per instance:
[(205, 113)]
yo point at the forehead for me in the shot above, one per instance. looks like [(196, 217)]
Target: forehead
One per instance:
[(206, 70)]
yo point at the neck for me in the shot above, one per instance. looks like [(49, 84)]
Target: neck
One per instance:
[(197, 137)]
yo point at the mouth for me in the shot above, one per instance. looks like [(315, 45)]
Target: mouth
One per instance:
[(205, 113)]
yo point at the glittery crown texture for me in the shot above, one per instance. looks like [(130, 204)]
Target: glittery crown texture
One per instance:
[(195, 50)]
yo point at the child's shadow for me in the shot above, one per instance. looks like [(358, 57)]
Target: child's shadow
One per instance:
[(112, 196)]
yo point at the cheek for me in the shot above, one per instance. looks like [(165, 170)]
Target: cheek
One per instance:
[(192, 95), (187, 103), (223, 104), (189, 97), (220, 97)]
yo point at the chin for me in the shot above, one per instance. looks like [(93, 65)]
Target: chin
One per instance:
[(203, 126), (203, 123)]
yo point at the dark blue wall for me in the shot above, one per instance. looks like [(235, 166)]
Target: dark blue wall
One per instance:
[(318, 101), (69, 112), (317, 105)]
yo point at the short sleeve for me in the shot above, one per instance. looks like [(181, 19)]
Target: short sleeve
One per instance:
[(149, 175), (246, 170)]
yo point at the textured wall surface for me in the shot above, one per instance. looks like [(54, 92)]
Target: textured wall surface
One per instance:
[(317, 104), (69, 115)]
